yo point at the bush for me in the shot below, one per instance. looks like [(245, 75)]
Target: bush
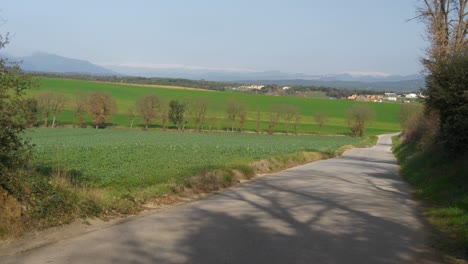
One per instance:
[(421, 129), (447, 92)]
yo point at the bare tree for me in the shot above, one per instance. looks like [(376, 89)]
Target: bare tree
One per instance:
[(131, 113), (259, 120), (100, 106), (199, 109), (297, 121), (148, 106), (79, 109), (358, 116), (164, 115), (233, 109), (320, 118), (44, 105), (211, 122), (57, 105), (447, 27), (275, 116), (289, 112), (243, 112)]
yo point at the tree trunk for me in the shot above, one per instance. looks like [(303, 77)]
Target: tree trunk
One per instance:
[(53, 122)]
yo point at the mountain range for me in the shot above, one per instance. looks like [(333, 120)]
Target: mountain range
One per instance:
[(51, 63)]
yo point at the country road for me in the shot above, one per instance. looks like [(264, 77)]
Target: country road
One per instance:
[(351, 209)]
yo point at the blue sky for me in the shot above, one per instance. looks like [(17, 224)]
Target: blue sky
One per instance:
[(297, 36)]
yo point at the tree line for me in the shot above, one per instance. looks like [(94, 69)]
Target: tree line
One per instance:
[(194, 112)]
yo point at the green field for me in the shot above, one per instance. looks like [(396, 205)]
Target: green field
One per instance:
[(132, 159), (126, 95)]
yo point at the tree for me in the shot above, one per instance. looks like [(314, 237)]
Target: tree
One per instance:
[(448, 96), (233, 109), (164, 114), (289, 112), (199, 109), (149, 106), (358, 116), (57, 105), (259, 120), (131, 113), (44, 104), (79, 109), (243, 112), (297, 121), (100, 106), (275, 116), (446, 64), (15, 116), (320, 118), (446, 28), (177, 113)]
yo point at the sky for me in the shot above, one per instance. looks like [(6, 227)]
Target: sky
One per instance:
[(294, 36)]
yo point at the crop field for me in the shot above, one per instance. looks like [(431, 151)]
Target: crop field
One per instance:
[(133, 159), (126, 95)]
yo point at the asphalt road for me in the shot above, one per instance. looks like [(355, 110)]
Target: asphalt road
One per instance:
[(351, 209)]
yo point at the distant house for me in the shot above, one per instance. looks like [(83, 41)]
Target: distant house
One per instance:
[(390, 97), (366, 97), (251, 87), (286, 88), (411, 96)]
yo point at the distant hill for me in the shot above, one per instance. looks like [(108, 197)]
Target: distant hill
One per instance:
[(44, 62), (49, 63), (363, 81)]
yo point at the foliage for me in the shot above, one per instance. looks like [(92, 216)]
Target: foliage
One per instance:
[(447, 89), (442, 183), (15, 117), (177, 113), (100, 106), (447, 65), (358, 118)]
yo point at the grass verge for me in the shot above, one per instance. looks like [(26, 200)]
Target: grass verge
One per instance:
[(442, 183)]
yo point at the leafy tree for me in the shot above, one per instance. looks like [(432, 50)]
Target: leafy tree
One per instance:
[(149, 106), (358, 117), (446, 62), (177, 113), (448, 94), (100, 106), (15, 116)]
